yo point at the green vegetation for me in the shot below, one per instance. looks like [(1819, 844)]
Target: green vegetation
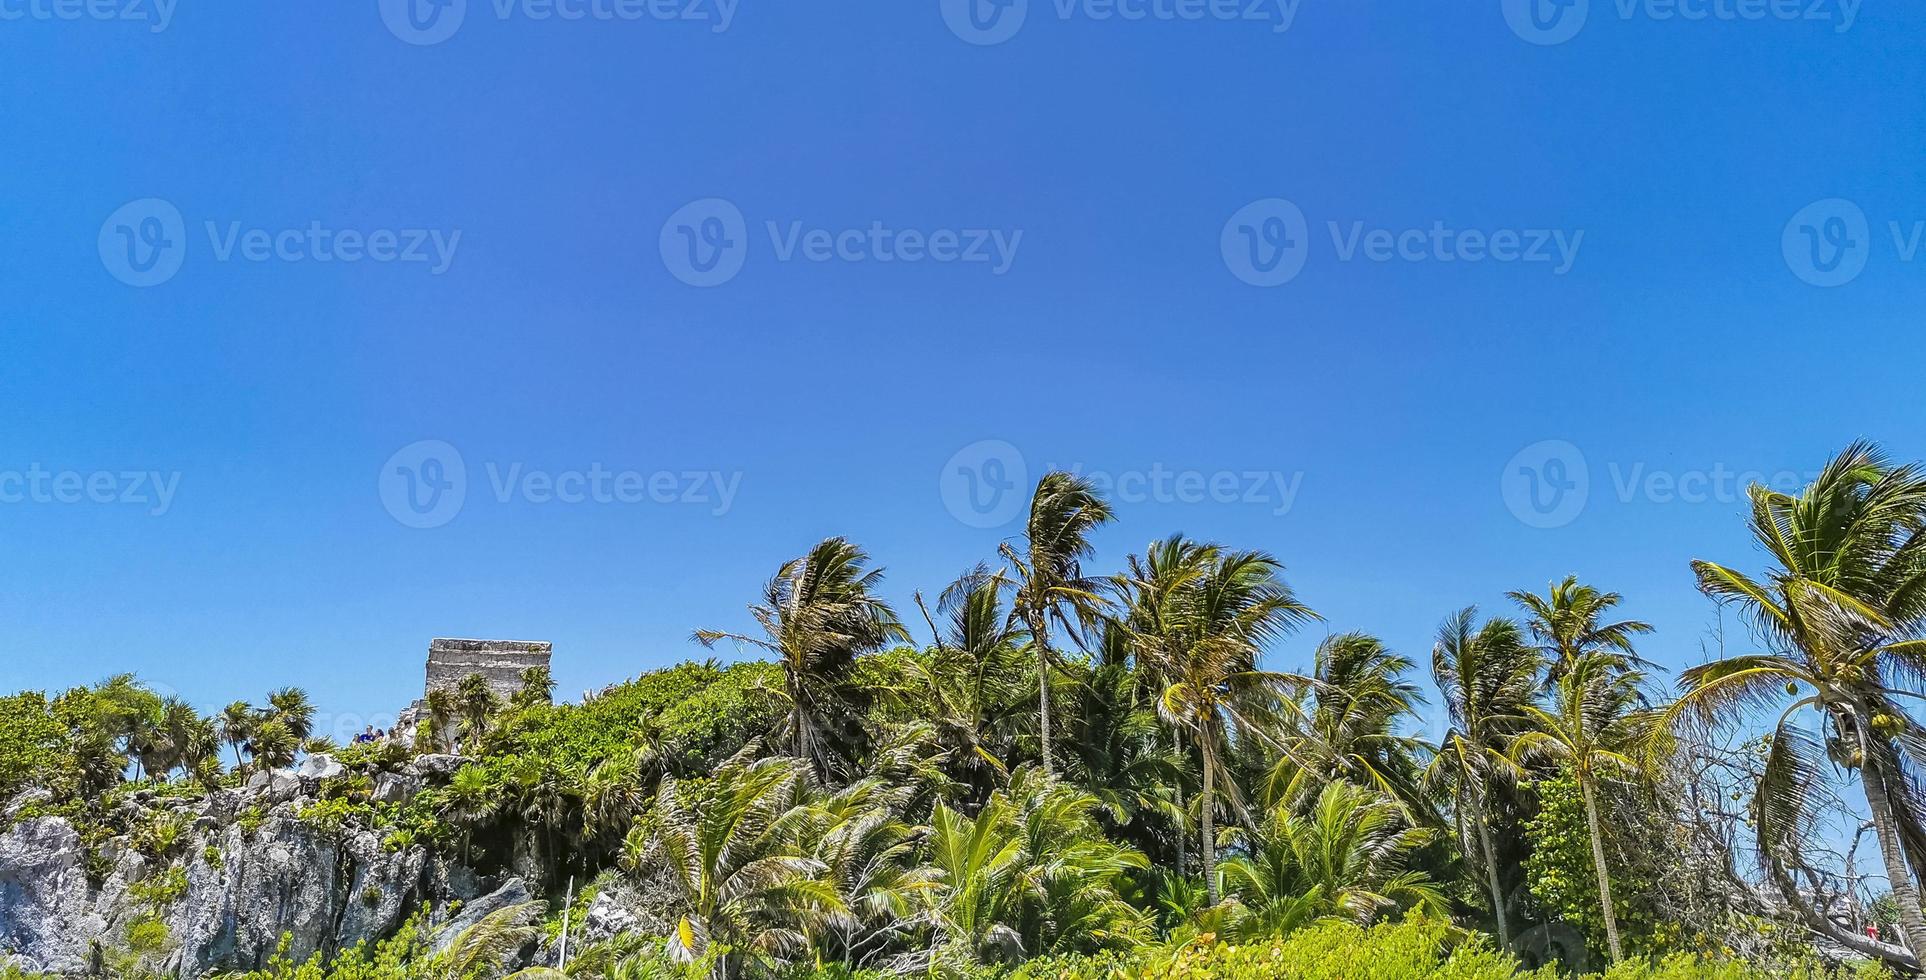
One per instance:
[(1050, 772)]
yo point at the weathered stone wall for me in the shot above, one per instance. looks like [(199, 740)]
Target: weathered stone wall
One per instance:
[(500, 662)]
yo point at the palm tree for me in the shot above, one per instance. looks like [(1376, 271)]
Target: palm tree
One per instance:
[(476, 702), (970, 686), (819, 614), (1591, 728), (237, 722), (273, 745), (1348, 857), (1361, 697), (867, 852), (1030, 874), (728, 847), (538, 688), (291, 707), (1213, 612), (442, 711), (1840, 613), (1566, 623), (1487, 675), (1048, 571)]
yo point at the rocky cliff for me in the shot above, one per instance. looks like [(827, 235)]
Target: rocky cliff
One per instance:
[(227, 892)]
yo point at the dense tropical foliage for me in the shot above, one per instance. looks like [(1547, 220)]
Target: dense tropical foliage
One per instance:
[(1045, 771)]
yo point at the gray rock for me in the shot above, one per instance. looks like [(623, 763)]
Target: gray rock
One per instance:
[(26, 799), (320, 767), (324, 891), (273, 786), (394, 788), (437, 766), (46, 915), (513, 892)]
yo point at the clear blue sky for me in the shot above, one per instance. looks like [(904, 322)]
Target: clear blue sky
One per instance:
[(1686, 336)]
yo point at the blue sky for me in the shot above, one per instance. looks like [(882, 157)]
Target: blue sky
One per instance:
[(1737, 194)]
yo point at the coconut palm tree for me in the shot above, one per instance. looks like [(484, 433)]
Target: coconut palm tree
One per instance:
[(1348, 857), (1840, 614), (1566, 622), (819, 614), (1592, 727), (1030, 874), (1486, 675), (1350, 731), (970, 686), (1212, 613), (728, 846), (1048, 571)]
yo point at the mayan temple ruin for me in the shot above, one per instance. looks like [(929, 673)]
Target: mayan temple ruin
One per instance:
[(499, 662)]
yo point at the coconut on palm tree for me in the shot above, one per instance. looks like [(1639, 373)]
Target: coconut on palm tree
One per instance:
[(1048, 571), (1840, 615), (819, 613)]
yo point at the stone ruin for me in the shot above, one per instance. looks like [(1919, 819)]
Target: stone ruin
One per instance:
[(499, 662)]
